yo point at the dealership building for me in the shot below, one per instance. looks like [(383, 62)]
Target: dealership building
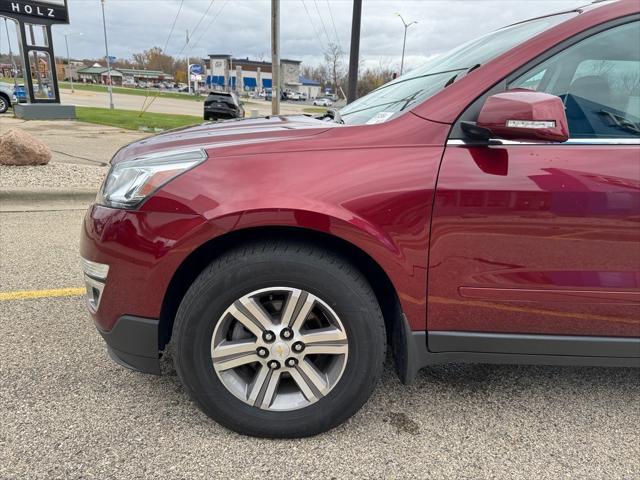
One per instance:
[(119, 76), (242, 74)]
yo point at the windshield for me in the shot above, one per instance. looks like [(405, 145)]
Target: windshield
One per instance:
[(416, 86)]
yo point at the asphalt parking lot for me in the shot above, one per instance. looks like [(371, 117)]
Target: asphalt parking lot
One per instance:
[(69, 412)]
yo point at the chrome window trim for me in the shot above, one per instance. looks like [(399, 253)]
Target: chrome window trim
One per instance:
[(571, 141)]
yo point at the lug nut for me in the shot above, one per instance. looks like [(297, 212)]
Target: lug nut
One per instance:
[(291, 362), (262, 352), (286, 334), (298, 347), (274, 365), (268, 336)]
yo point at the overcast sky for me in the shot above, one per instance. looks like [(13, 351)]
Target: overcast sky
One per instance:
[(242, 27)]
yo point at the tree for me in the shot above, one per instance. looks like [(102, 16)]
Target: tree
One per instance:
[(335, 65), (318, 73), (154, 59), (372, 78)]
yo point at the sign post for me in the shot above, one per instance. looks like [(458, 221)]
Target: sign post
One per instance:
[(195, 76), (34, 19)]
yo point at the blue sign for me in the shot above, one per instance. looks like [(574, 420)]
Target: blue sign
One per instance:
[(197, 69)]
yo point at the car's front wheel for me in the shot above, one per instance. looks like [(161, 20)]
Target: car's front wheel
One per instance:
[(279, 339)]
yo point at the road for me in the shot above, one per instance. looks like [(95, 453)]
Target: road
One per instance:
[(69, 412), (164, 105)]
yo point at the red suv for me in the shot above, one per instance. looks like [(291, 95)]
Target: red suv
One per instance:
[(482, 208)]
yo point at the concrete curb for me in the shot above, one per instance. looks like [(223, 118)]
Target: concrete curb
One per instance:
[(26, 199), (47, 194)]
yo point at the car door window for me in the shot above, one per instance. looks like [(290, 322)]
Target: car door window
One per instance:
[(598, 80)]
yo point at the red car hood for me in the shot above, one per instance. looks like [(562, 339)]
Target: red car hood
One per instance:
[(228, 134)]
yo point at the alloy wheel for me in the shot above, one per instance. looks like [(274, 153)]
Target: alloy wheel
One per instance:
[(279, 349)]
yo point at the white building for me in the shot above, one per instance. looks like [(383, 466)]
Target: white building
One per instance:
[(242, 74)]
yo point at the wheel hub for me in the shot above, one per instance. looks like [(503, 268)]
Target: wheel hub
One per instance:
[(279, 348)]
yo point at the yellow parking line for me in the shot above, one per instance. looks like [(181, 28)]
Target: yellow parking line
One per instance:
[(31, 294)]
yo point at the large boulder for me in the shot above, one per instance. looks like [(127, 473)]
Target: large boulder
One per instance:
[(18, 147)]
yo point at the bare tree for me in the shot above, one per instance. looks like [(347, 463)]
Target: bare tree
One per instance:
[(318, 73), (333, 57), (372, 78), (154, 59)]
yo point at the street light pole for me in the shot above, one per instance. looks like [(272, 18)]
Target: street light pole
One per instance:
[(66, 42), (404, 43), (106, 47), (275, 57)]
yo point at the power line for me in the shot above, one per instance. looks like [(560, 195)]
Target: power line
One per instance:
[(313, 25), (335, 30), (315, 2), (193, 31), (175, 20), (213, 20)]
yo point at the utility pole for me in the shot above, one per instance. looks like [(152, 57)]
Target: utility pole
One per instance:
[(354, 54), (106, 47), (275, 57), (404, 43)]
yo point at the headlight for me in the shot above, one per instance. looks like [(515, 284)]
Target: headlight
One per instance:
[(130, 182)]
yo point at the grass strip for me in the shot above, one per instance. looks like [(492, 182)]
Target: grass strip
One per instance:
[(131, 119)]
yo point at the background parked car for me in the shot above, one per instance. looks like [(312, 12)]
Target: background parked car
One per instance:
[(322, 102), (269, 95), (222, 105), (5, 97), (20, 94), (296, 96)]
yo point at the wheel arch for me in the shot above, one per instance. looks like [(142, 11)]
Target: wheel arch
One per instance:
[(198, 259)]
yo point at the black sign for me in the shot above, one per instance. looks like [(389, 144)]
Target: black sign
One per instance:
[(41, 11)]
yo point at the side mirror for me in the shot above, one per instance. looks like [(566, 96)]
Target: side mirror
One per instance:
[(522, 114)]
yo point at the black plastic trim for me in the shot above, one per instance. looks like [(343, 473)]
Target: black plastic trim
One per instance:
[(409, 350), (519, 350), (133, 343), (565, 345)]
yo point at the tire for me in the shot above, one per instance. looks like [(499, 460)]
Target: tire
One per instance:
[(4, 104), (272, 265)]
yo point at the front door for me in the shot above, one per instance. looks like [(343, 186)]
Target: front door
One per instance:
[(545, 238)]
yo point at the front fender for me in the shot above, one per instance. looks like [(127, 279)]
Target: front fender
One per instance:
[(382, 248), (378, 203)]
